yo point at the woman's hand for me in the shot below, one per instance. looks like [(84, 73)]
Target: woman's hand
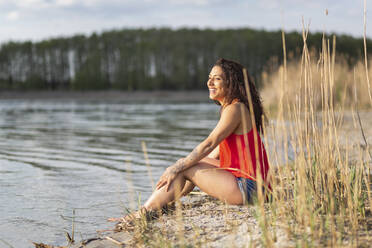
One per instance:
[(169, 175)]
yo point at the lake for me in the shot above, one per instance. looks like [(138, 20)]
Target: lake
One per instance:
[(86, 156)]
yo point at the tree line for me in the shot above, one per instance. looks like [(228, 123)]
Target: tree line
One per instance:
[(150, 59)]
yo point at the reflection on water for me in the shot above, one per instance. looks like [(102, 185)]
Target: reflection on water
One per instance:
[(56, 157)]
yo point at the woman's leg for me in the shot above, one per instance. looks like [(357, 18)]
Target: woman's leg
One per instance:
[(216, 182), (189, 186), (213, 181)]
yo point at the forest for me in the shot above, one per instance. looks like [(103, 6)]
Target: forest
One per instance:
[(152, 59)]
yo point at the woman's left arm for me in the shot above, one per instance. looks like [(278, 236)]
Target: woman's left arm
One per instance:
[(229, 121)]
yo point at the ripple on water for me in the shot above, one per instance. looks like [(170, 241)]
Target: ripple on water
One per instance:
[(56, 157)]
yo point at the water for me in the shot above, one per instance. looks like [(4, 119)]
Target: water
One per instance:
[(87, 157)]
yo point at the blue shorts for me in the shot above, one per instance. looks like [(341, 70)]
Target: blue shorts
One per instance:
[(248, 188)]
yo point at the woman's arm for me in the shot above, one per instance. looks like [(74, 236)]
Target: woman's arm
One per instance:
[(229, 121)]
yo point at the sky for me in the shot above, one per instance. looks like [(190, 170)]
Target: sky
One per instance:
[(36, 20)]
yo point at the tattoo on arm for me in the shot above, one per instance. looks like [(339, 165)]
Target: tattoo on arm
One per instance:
[(193, 154), (180, 165), (191, 158)]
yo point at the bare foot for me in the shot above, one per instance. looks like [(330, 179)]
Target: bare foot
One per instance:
[(128, 222)]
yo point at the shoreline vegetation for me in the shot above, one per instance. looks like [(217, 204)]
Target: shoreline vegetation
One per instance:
[(154, 59), (321, 183)]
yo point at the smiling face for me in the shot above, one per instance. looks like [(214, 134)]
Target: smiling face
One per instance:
[(217, 84)]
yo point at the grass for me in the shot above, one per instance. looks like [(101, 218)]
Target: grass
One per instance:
[(323, 195)]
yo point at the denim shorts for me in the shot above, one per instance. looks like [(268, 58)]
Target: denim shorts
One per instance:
[(248, 188)]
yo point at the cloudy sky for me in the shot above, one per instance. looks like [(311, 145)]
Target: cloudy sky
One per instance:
[(40, 19)]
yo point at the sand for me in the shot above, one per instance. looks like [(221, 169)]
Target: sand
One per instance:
[(205, 222)]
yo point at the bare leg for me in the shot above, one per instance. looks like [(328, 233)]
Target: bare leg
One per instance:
[(189, 186), (217, 183), (213, 181), (161, 197)]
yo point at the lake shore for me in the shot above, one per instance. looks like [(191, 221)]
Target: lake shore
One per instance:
[(111, 95), (205, 222), (201, 221)]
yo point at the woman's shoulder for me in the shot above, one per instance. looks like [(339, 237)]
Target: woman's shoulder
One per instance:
[(236, 106), (238, 103), (236, 110), (232, 107)]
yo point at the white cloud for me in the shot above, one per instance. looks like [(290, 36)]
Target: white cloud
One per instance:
[(192, 2), (65, 2), (12, 16), (66, 17), (270, 4), (30, 3)]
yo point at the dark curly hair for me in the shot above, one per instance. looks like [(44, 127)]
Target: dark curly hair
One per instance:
[(235, 88)]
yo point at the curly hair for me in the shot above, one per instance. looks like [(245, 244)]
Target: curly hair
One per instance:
[(235, 88)]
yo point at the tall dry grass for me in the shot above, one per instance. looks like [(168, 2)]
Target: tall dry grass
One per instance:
[(287, 83), (320, 196)]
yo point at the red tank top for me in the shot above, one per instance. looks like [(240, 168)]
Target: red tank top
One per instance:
[(237, 154)]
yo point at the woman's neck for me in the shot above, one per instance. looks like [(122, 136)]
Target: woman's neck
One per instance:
[(224, 103)]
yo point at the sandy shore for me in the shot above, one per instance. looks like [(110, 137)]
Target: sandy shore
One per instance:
[(205, 222), (110, 95)]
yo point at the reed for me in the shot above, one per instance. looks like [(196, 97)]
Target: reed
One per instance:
[(282, 86), (319, 192)]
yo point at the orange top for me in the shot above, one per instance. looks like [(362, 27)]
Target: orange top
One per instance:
[(238, 155)]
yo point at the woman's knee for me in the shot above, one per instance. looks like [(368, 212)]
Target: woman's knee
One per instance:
[(190, 173)]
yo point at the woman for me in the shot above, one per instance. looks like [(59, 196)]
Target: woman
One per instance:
[(233, 145)]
